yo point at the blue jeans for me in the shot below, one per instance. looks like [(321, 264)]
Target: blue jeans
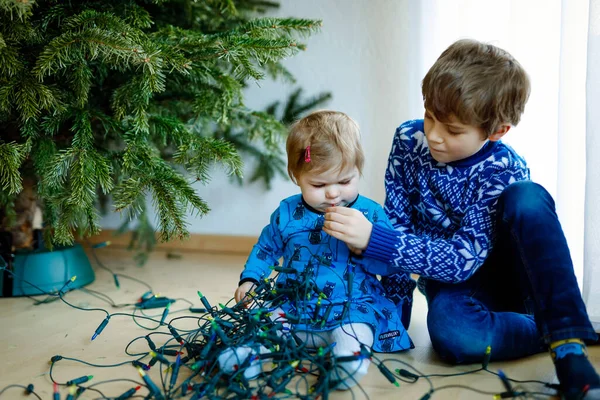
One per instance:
[(522, 298)]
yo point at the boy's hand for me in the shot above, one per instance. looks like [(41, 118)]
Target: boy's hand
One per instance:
[(350, 226), (242, 291)]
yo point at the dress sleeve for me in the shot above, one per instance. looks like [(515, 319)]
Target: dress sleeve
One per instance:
[(265, 253)]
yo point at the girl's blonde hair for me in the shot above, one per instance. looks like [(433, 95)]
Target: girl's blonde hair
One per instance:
[(321, 141)]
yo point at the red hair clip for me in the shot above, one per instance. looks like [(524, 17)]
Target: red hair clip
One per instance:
[(307, 154)]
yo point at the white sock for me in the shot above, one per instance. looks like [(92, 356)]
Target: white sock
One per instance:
[(230, 359), (348, 339), (255, 367)]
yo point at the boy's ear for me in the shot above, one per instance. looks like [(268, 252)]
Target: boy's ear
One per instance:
[(501, 131)]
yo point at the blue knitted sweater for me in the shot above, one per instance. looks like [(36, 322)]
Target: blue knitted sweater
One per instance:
[(443, 214)]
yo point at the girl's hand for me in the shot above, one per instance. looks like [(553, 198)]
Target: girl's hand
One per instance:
[(350, 226), (242, 293)]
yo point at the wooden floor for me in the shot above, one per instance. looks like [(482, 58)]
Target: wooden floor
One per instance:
[(30, 335)]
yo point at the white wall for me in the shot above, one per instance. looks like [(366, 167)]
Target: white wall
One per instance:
[(373, 54), (362, 55), (507, 24), (548, 37)]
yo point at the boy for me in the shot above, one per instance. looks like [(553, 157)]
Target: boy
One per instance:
[(486, 241)]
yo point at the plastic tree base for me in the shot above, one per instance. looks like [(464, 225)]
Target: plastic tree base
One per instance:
[(49, 270)]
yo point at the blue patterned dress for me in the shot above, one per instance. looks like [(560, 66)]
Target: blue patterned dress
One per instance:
[(295, 233)]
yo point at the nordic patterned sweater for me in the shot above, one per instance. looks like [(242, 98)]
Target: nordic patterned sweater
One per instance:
[(323, 265), (443, 214)]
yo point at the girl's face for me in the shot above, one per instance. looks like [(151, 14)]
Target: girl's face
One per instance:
[(329, 188)]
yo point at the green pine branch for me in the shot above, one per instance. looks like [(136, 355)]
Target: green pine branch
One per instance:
[(17, 9), (12, 156), (129, 99)]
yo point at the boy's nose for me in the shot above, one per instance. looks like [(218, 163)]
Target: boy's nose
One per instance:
[(433, 136)]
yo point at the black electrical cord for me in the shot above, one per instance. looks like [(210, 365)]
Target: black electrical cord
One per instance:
[(28, 389), (232, 326)]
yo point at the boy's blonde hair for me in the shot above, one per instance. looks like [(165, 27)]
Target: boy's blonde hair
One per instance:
[(334, 140), (480, 84)]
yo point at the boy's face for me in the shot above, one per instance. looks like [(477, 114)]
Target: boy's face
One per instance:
[(329, 188), (452, 141)]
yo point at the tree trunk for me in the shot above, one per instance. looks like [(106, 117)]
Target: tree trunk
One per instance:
[(25, 207)]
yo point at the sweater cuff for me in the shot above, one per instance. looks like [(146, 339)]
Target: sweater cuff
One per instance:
[(382, 245), (248, 279)]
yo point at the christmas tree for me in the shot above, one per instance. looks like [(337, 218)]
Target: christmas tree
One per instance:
[(129, 98)]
